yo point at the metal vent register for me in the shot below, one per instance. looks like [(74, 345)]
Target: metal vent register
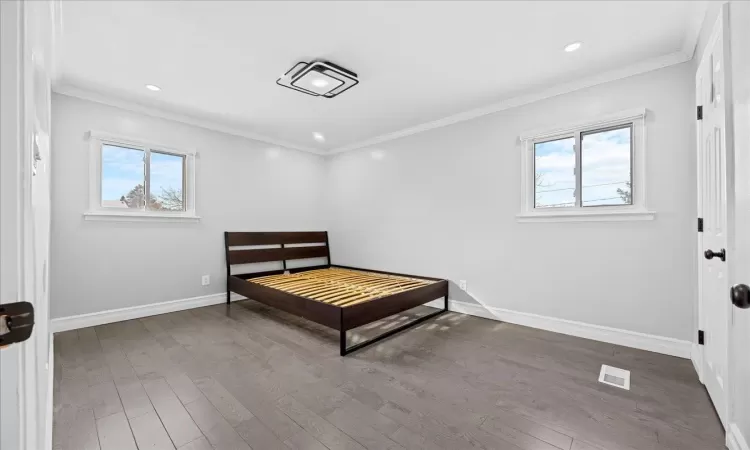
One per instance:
[(615, 377)]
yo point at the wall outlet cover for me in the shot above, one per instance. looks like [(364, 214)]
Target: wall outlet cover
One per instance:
[(205, 280), (462, 285)]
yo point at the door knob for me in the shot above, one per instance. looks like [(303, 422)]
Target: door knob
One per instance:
[(721, 254), (741, 296), (16, 322)]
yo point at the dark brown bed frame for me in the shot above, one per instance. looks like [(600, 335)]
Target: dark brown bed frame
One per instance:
[(336, 317)]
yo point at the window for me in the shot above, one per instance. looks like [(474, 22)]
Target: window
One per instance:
[(133, 180), (589, 171)]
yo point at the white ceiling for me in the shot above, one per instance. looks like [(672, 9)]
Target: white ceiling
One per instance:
[(417, 61)]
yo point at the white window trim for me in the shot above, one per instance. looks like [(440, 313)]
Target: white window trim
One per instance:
[(98, 212), (637, 211)]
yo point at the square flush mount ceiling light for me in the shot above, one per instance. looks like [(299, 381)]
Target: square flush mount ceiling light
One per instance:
[(318, 78)]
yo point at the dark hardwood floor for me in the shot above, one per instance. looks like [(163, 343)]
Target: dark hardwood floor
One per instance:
[(249, 377)]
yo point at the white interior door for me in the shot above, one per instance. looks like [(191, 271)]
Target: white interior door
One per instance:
[(26, 55), (715, 166), (11, 116)]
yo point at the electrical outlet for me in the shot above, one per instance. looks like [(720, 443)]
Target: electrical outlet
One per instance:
[(205, 280), (462, 285)]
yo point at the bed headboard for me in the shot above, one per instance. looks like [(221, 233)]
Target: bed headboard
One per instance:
[(285, 246)]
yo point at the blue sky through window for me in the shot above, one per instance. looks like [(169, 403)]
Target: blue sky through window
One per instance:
[(606, 167), (122, 170), (606, 174), (554, 165), (166, 173)]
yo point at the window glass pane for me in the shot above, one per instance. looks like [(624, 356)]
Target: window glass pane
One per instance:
[(122, 177), (166, 182), (606, 161), (554, 173)]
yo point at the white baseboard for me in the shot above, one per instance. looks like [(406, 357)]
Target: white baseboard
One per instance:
[(659, 344), (735, 439), (136, 312), (652, 343)]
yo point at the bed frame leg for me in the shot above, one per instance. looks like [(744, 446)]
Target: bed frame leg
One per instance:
[(342, 334), (342, 343), (229, 293), (344, 350)]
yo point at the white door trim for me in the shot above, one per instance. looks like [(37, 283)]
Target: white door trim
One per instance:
[(13, 425), (720, 29), (735, 440), (28, 38)]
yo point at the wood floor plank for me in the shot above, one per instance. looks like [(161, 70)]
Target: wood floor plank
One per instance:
[(74, 428), (455, 382), (134, 399), (217, 430), (502, 421), (104, 399), (150, 433), (302, 440), (255, 395), (316, 426), (519, 438), (361, 431), (114, 433), (580, 445), (413, 441), (198, 444), (223, 401), (258, 436), (176, 420), (184, 387), (119, 365)]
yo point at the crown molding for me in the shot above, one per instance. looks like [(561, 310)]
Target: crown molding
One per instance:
[(606, 77), (85, 94)]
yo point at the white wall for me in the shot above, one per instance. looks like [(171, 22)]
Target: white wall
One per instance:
[(443, 203), (240, 185)]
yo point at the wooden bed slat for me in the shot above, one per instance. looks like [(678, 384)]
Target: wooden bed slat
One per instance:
[(340, 287), (366, 312)]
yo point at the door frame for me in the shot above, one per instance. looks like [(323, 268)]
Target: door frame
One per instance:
[(29, 31), (18, 425), (738, 430), (720, 28)]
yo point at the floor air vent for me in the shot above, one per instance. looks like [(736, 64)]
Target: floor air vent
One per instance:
[(615, 377)]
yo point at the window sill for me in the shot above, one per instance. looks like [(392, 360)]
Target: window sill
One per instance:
[(116, 216), (587, 216)]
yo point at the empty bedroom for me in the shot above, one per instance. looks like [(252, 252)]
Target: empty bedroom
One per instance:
[(329, 225)]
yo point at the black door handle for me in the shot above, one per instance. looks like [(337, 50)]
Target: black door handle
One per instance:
[(721, 254), (741, 296), (16, 322)]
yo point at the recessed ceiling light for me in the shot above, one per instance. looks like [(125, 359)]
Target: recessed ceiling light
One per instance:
[(319, 82), (572, 47), (319, 137), (153, 87)]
